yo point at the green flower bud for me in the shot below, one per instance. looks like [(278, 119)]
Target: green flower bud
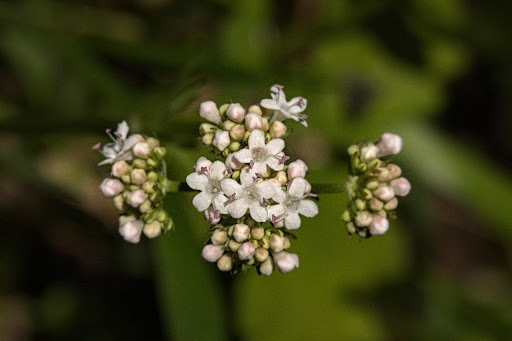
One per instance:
[(235, 175), (228, 124), (346, 216), (225, 263), (376, 204), (152, 142), (138, 176), (360, 204), (222, 109), (261, 254), (139, 163), (246, 136), (287, 243), (367, 194), (152, 176), (281, 177), (363, 233), (234, 146), (237, 132), (126, 178), (219, 237), (255, 109), (152, 163), (153, 229), (207, 139), (351, 228), (159, 152), (264, 124), (257, 232), (352, 150), (146, 206), (234, 245), (372, 185), (162, 216), (149, 187), (119, 203)]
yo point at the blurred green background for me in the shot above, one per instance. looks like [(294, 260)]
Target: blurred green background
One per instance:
[(437, 72)]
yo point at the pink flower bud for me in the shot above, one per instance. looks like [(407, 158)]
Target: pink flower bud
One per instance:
[(286, 262), (141, 150), (246, 251), (276, 242), (277, 129), (236, 112), (379, 225), (266, 268), (221, 140), (212, 252), (253, 121), (233, 163), (241, 232), (120, 168), (138, 176), (369, 152), (297, 169), (202, 165), (385, 193), (131, 230), (401, 186), (389, 144), (394, 171), (111, 187), (136, 198), (208, 110)]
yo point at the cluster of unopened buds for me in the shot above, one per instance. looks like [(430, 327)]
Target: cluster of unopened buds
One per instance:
[(253, 196), (137, 183), (250, 192), (373, 186)]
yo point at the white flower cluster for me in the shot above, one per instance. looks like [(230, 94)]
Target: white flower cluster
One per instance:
[(136, 184), (373, 186), (252, 198)]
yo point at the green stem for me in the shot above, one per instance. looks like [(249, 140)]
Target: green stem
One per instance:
[(177, 186)]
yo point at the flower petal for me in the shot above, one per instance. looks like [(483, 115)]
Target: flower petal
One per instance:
[(217, 170), (266, 189), (256, 140), (269, 104), (292, 221), (275, 164), (259, 167), (202, 201), (258, 212), (247, 177), (129, 143), (221, 203), (237, 208), (280, 196), (276, 210), (308, 208), (230, 187), (297, 188), (197, 181), (244, 155), (274, 146), (122, 129)]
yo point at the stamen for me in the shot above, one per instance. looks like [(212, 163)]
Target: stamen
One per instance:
[(230, 171), (280, 87), (258, 175), (96, 146), (301, 102), (284, 158), (204, 170), (266, 201), (118, 135), (312, 195), (257, 149), (109, 133), (217, 214), (232, 197), (289, 183), (274, 219), (251, 164), (304, 116)]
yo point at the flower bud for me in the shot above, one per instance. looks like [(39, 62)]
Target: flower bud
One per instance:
[(379, 225), (360, 204), (228, 124), (278, 224), (146, 206), (277, 129), (391, 205), (219, 237), (212, 252), (376, 204), (257, 232), (346, 216), (234, 146), (136, 198), (222, 109), (152, 229), (287, 243), (266, 268), (261, 254), (369, 152), (255, 109), (276, 242), (241, 232), (352, 150), (297, 169), (401, 186), (225, 263), (383, 174), (152, 142), (131, 230), (246, 251), (389, 144), (274, 182), (210, 216), (233, 245), (207, 139), (111, 187), (120, 168), (138, 176), (281, 177), (385, 193), (208, 110), (237, 132), (363, 218), (285, 261), (207, 128), (253, 122), (235, 112), (221, 140), (264, 124), (141, 150), (372, 185), (119, 202), (351, 228), (394, 171)]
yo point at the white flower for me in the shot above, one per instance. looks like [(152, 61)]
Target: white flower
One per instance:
[(284, 110), (208, 182), (292, 203), (285, 261), (248, 195), (120, 148), (261, 155)]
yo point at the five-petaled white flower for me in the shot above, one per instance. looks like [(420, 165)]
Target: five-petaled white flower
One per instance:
[(208, 181), (291, 203), (248, 195), (260, 155), (120, 148), (284, 110)]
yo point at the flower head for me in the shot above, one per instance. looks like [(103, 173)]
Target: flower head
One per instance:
[(120, 148), (284, 110)]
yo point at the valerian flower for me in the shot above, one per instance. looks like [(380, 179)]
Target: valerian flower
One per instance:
[(291, 203), (208, 181), (284, 110), (260, 155), (249, 195), (120, 148)]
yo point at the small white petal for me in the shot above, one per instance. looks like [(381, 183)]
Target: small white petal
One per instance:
[(221, 203), (202, 201), (259, 167), (266, 189), (247, 177), (297, 187), (280, 196), (217, 170), (275, 210), (256, 140), (269, 104), (275, 164), (308, 208), (274, 146), (244, 155), (238, 208), (292, 221), (258, 212), (197, 181), (122, 129), (230, 187)]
